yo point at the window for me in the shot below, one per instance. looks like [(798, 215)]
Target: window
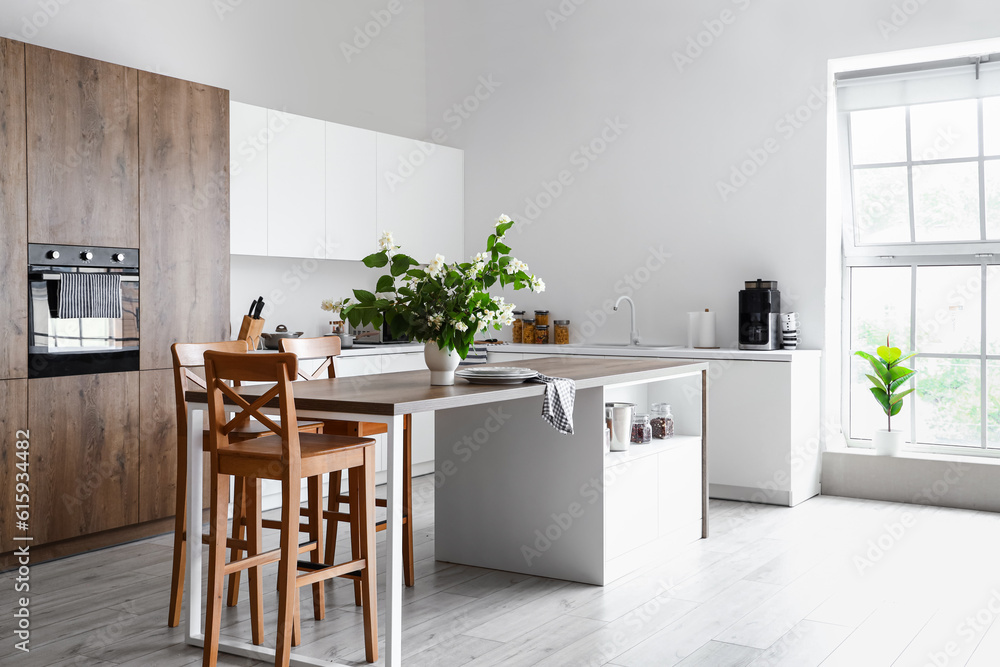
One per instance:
[(921, 261)]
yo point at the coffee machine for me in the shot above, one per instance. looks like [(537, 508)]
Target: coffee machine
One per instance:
[(760, 310)]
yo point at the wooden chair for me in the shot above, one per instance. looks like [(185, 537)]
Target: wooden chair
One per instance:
[(327, 348), (187, 357), (288, 456)]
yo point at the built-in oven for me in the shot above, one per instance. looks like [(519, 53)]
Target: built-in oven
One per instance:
[(83, 310)]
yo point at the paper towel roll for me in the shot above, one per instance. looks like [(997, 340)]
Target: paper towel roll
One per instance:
[(701, 329)]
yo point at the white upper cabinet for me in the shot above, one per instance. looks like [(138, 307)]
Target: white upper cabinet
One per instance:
[(350, 192), (421, 197), (248, 179), (296, 186)]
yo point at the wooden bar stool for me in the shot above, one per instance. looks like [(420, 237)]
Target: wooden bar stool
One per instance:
[(187, 357), (288, 456), (327, 348)]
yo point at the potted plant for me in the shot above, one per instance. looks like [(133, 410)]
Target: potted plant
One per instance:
[(443, 305), (889, 377)]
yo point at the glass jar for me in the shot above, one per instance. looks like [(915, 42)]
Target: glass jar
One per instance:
[(541, 334), (562, 332), (642, 433), (517, 332), (542, 317), (528, 331), (662, 421)]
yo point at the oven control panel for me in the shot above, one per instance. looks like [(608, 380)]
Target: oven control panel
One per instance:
[(42, 254)]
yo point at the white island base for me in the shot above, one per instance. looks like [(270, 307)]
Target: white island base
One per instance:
[(513, 494)]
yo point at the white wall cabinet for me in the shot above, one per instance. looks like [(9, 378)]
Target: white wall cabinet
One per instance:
[(296, 187), (350, 192), (249, 138), (421, 197)]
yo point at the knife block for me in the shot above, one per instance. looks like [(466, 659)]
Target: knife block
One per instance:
[(250, 331)]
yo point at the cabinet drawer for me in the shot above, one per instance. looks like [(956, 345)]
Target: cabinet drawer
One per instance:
[(354, 366), (397, 363)]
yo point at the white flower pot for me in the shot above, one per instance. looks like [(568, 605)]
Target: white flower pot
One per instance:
[(442, 363), (887, 443)]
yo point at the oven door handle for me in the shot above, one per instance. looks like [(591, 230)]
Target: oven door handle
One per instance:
[(58, 276)]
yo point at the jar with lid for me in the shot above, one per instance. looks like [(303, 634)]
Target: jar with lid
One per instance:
[(641, 431), (541, 333), (517, 332), (542, 317), (562, 332), (662, 421), (528, 331)]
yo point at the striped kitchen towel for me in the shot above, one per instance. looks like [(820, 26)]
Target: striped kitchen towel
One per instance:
[(557, 406), (90, 295)]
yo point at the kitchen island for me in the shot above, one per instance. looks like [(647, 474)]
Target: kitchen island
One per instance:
[(511, 475)]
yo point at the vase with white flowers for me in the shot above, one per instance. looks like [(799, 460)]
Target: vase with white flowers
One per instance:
[(443, 305)]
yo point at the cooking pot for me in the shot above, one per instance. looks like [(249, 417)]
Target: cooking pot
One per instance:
[(272, 340)]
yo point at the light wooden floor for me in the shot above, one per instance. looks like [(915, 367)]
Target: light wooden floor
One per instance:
[(834, 582)]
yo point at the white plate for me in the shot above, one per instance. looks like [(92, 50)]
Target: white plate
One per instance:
[(472, 379), (497, 371)]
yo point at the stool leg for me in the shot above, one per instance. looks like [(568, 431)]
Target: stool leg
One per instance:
[(366, 521), (315, 510), (216, 564), (407, 500), (333, 505), (297, 619), (255, 575), (239, 532), (354, 494), (290, 496), (180, 516)]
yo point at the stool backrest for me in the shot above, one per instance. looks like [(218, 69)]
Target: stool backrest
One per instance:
[(224, 367), (325, 348), (188, 356)]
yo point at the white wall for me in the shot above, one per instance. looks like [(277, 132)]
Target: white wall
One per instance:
[(656, 184), (280, 54)]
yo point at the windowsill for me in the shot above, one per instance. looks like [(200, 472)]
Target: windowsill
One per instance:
[(920, 456)]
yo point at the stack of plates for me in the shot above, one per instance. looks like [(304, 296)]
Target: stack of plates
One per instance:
[(496, 374), (789, 330)]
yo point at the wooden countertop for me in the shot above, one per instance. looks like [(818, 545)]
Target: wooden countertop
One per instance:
[(409, 392)]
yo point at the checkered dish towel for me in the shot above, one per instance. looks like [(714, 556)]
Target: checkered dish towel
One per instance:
[(557, 407)]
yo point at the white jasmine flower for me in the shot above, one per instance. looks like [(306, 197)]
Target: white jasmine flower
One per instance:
[(537, 285), (500, 221), (461, 326), (385, 241), (435, 267)]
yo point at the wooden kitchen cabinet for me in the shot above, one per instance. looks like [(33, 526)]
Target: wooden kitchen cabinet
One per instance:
[(84, 454), (13, 214), (184, 232), (83, 150), (157, 444), (421, 197), (249, 137), (13, 418), (350, 192), (296, 187)]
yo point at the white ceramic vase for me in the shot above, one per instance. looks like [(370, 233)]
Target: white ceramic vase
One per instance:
[(442, 363), (887, 443)]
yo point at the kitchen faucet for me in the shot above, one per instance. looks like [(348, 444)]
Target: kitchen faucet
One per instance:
[(633, 333)]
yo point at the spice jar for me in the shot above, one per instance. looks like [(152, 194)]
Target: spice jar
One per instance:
[(542, 317), (662, 422), (541, 334), (562, 332), (528, 331), (517, 330), (641, 431)]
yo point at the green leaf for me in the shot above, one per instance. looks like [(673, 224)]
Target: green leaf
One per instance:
[(889, 354), (876, 381), (902, 359), (900, 380), (877, 364), (503, 227), (386, 284), (897, 398), (377, 259), (894, 410), (400, 263), (491, 242), (364, 296), (881, 397), (898, 371), (502, 248)]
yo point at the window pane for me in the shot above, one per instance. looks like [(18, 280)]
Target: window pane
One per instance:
[(881, 206), (944, 130), (993, 403), (948, 406), (993, 309), (880, 306), (878, 135), (946, 202), (991, 125), (992, 178), (948, 309)]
